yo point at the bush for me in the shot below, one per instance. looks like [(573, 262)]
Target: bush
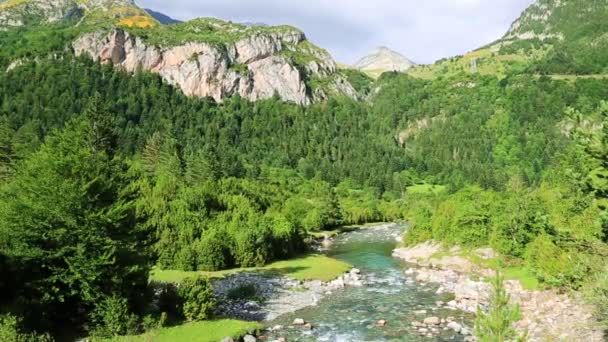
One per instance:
[(112, 317), (196, 296), (213, 251), (252, 244), (597, 295), (10, 332), (243, 292)]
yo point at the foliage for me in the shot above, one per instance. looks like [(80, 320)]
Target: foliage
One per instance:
[(11, 332), (196, 295), (243, 292), (69, 230), (112, 317), (496, 325)]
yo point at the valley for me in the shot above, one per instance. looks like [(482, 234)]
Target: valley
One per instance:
[(165, 180)]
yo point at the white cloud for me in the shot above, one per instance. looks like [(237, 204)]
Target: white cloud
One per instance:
[(422, 30)]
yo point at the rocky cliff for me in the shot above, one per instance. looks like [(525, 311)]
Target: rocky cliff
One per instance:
[(257, 66)]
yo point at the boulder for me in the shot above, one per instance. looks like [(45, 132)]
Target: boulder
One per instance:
[(249, 338), (455, 326), (432, 321)]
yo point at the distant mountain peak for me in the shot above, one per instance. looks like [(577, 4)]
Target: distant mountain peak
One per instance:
[(161, 17), (383, 59)]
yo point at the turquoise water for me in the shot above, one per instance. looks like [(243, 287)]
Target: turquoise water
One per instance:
[(351, 314)]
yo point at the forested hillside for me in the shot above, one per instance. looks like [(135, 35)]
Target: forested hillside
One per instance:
[(105, 174)]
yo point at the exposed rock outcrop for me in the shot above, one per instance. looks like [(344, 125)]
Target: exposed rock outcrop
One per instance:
[(253, 67)]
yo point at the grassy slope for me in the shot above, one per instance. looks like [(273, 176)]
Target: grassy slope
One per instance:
[(207, 331), (310, 267), (488, 63)]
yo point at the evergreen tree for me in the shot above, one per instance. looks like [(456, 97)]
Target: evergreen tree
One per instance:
[(69, 231), (496, 325)]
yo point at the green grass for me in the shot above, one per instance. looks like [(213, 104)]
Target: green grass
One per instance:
[(525, 277), (207, 331), (309, 267), (426, 189)]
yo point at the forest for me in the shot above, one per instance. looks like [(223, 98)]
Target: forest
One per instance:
[(105, 175)]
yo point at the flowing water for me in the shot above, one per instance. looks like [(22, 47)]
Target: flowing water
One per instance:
[(351, 314)]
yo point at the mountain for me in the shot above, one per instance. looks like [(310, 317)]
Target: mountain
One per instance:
[(16, 13), (205, 57), (381, 60), (566, 37), (162, 18)]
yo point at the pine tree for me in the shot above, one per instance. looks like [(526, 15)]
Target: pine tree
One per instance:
[(69, 230), (496, 325)]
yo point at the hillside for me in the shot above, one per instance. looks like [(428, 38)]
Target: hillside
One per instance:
[(137, 159), (203, 57), (571, 34)]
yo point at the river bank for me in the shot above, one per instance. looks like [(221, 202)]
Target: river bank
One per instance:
[(547, 315)]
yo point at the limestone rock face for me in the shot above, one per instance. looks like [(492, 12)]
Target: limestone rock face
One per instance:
[(201, 69)]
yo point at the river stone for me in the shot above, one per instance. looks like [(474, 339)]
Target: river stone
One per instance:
[(307, 326), (455, 326), (381, 323), (299, 321), (431, 321), (277, 328), (249, 338)]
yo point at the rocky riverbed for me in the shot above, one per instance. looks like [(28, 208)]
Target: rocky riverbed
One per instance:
[(548, 315), (275, 295)]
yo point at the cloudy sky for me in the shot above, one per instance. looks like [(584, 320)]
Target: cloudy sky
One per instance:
[(422, 30)]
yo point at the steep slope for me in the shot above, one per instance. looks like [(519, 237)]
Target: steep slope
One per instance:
[(203, 57), (209, 57), (381, 60), (569, 37), (17, 13), (162, 18)]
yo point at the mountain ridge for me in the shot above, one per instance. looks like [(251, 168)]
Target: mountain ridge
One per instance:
[(202, 57)]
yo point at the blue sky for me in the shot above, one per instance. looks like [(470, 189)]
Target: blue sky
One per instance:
[(422, 30)]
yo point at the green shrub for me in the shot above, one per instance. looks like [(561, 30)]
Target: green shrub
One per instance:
[(243, 292), (196, 296), (550, 264), (597, 295), (10, 331), (252, 245), (112, 317), (213, 251)]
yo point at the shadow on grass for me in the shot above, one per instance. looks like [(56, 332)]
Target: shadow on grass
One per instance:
[(283, 271)]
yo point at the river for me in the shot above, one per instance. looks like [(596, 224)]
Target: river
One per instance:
[(351, 314)]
